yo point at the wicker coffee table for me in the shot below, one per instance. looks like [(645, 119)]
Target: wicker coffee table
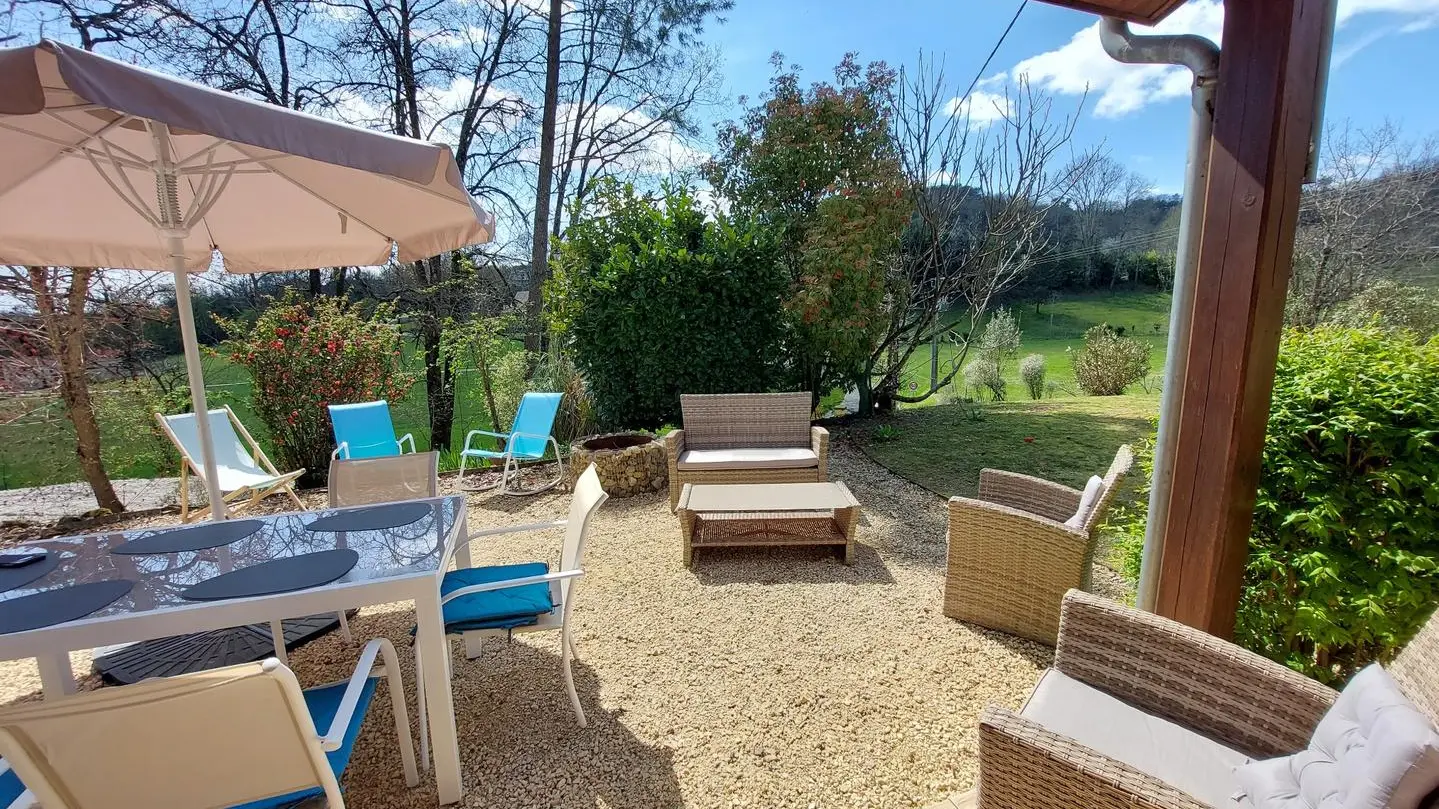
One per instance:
[(741, 515)]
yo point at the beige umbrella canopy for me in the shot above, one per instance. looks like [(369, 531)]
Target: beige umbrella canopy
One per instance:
[(104, 164)]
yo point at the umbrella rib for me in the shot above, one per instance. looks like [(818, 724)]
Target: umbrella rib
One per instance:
[(89, 136), (56, 158), (292, 181), (143, 212)]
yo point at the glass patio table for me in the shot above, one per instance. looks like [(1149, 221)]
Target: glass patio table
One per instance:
[(402, 563)]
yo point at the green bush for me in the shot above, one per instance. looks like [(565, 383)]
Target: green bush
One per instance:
[(653, 299), (304, 354), (1345, 545), (983, 375), (1391, 305), (1109, 362)]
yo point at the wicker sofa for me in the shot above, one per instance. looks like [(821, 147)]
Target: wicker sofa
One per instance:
[(746, 438), (1139, 710), (1011, 555)]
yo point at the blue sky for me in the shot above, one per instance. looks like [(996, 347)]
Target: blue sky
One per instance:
[(1384, 61)]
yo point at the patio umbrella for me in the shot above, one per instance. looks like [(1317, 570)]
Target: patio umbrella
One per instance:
[(104, 164)]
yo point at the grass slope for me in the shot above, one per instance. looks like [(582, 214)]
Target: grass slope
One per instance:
[(1056, 329), (943, 448)]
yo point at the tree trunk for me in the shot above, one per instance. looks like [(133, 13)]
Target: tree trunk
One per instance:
[(540, 256), (342, 277), (439, 388), (67, 341), (317, 286)]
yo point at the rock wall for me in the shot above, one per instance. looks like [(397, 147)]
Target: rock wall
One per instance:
[(626, 472)]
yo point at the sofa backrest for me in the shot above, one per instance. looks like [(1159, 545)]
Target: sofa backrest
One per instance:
[(1416, 669), (737, 420)]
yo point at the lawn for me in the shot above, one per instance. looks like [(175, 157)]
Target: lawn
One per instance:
[(37, 444), (943, 448), (1056, 329)]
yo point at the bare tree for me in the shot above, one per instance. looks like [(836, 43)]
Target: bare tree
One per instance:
[(540, 254), (1371, 216), (982, 194)]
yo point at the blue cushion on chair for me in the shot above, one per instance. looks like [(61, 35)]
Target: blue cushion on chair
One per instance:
[(496, 609), (10, 788), (323, 703)]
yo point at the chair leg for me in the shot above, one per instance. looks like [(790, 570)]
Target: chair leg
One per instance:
[(420, 707), (574, 650), (461, 478), (567, 647), (345, 627), (277, 634)]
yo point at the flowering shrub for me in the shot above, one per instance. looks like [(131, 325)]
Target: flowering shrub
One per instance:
[(1109, 362), (1031, 370), (304, 354)]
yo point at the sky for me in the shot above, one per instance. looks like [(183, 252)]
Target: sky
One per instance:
[(1383, 64)]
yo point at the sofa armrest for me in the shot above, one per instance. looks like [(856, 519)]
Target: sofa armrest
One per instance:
[(1026, 493), (1022, 764), (819, 445), (1190, 677), (674, 444)]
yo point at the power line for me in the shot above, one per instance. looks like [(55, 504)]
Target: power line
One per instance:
[(992, 51)]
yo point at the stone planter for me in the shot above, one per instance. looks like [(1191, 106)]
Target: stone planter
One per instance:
[(627, 463)]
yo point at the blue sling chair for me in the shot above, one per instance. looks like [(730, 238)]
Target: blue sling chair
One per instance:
[(364, 430), (529, 437)]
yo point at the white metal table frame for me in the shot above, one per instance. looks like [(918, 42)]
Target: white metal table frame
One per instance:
[(50, 646)]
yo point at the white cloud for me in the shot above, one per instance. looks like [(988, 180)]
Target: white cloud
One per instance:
[(981, 108), (1081, 65)]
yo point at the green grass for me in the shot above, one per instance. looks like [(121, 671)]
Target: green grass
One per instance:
[(943, 448), (39, 449), (1056, 330)]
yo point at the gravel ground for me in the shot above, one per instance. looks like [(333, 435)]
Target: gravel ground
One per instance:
[(774, 678)]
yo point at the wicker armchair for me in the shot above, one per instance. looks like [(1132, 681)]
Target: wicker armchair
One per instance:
[(1012, 558), (1215, 698), (746, 438)]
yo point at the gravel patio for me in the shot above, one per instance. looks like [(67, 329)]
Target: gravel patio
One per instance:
[(776, 678)]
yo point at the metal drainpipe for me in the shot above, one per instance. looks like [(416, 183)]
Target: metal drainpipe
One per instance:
[(1202, 58)]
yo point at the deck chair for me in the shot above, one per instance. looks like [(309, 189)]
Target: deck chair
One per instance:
[(500, 600), (367, 481), (241, 736), (13, 794), (529, 437), (365, 430), (245, 473)]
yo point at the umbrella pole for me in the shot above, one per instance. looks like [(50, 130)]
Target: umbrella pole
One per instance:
[(196, 376)]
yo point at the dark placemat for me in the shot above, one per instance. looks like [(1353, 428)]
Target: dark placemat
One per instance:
[(14, 577), (194, 538), (276, 576), (57, 606), (182, 654), (372, 519)]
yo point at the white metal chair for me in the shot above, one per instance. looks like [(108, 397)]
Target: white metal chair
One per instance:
[(498, 600), (243, 469), (367, 481), (241, 736)]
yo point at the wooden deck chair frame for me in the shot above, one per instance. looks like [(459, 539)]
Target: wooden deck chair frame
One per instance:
[(251, 495)]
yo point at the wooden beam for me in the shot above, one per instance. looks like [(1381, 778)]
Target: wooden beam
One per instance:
[(1145, 12), (1264, 108)]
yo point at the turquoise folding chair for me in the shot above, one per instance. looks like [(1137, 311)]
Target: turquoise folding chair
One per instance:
[(364, 430), (529, 437)]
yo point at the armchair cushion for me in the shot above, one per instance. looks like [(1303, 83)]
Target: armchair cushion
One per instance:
[(1373, 749), (1087, 501), (495, 609), (766, 458), (1168, 752)]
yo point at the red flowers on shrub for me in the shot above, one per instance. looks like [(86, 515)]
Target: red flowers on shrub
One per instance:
[(340, 354)]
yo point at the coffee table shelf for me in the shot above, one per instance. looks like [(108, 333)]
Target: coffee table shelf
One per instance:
[(775, 514)]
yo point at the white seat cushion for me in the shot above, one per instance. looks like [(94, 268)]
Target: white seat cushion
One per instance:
[(1372, 750), (1157, 747), (767, 458)]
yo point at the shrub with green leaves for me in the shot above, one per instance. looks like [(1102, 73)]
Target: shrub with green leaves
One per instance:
[(1345, 545), (304, 354), (1031, 372), (1109, 362), (653, 299), (1392, 305), (999, 343)]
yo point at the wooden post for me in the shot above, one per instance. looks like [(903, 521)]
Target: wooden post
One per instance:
[(1264, 110)]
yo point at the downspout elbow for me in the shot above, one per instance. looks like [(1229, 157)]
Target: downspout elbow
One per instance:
[(1195, 52)]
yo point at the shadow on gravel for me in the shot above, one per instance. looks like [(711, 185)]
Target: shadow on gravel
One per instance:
[(790, 565)]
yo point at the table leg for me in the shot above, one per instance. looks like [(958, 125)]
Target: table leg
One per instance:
[(56, 676), (687, 530), (847, 519), (439, 700)]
